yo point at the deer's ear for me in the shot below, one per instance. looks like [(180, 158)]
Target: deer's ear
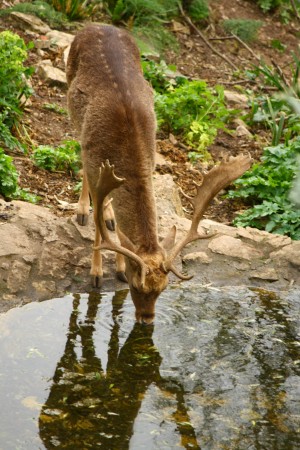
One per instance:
[(125, 241), (168, 242)]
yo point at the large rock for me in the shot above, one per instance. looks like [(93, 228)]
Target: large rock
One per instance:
[(30, 22), (51, 75)]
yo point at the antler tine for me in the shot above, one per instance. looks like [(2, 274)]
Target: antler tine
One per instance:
[(107, 182), (213, 181)]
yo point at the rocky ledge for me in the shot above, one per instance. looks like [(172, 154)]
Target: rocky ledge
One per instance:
[(43, 256)]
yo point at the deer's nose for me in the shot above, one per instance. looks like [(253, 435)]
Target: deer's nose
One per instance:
[(147, 319)]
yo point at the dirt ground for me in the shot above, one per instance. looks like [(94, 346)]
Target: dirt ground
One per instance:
[(194, 60)]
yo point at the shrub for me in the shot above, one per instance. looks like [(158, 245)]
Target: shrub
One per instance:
[(193, 111), (267, 186), (74, 9), (198, 10), (245, 29), (66, 157), (13, 86), (8, 175)]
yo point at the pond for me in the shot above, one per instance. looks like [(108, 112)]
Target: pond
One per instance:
[(220, 369)]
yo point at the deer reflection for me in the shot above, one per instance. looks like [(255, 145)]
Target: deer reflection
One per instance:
[(88, 407)]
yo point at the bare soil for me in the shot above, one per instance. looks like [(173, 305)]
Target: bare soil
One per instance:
[(194, 60)]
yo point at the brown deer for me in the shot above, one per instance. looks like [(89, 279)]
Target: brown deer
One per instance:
[(112, 107)]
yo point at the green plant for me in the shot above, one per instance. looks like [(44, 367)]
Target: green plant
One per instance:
[(14, 89), (193, 111), (281, 112), (245, 29), (74, 9), (65, 157), (41, 9), (267, 186), (198, 10), (160, 75), (8, 175), (9, 181), (268, 5), (55, 108), (145, 18)]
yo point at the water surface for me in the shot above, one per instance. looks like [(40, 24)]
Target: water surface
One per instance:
[(220, 369)]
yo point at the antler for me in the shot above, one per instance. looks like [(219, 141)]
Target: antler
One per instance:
[(215, 180), (107, 182)]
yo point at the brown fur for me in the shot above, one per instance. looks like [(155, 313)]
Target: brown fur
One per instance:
[(111, 105)]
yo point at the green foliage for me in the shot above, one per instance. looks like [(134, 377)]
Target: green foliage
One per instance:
[(8, 175), (55, 108), (245, 29), (281, 113), (14, 89), (198, 10), (160, 75), (66, 157), (268, 5), (9, 181), (194, 111), (73, 9), (284, 8), (40, 9), (267, 185), (145, 18)]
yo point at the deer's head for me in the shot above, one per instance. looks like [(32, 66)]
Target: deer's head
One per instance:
[(147, 273)]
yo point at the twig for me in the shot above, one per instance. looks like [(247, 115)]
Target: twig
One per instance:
[(234, 36), (189, 22), (295, 9), (246, 46)]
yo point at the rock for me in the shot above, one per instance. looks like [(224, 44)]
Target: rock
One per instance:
[(14, 241), (28, 21), (60, 39), (200, 257), (51, 75), (236, 99), (229, 246), (269, 274), (18, 276), (178, 27), (290, 253)]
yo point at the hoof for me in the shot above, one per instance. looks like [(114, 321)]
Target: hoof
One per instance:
[(97, 281), (110, 225), (82, 219), (122, 277)]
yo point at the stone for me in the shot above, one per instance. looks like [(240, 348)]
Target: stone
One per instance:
[(199, 257), (290, 253), (60, 38), (268, 274), (238, 100), (18, 276), (28, 21), (14, 241), (229, 246), (167, 196), (242, 131), (51, 75)]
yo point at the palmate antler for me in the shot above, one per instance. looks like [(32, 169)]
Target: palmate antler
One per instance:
[(107, 182), (214, 181)]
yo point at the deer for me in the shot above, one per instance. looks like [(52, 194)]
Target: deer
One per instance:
[(112, 107)]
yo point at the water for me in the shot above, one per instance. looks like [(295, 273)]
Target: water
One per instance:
[(220, 369)]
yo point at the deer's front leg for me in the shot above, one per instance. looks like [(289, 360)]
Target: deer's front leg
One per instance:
[(96, 269), (84, 202)]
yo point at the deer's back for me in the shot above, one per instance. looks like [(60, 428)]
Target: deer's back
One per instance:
[(106, 81)]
